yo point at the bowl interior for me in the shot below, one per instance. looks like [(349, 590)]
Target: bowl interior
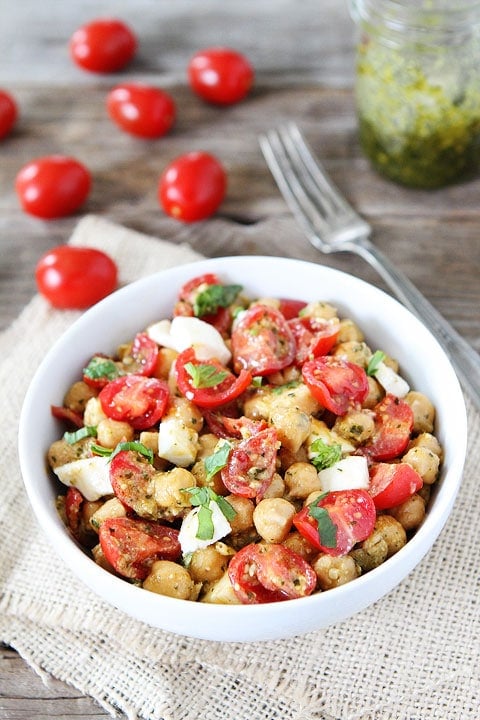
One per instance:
[(387, 326)]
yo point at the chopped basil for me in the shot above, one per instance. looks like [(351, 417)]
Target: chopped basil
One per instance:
[(217, 461), (288, 386), (325, 455), (327, 530), (100, 450), (87, 431), (377, 357), (100, 368), (208, 301), (135, 446), (201, 497), (257, 381), (204, 375)]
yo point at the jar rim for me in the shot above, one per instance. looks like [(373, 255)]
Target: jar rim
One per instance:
[(427, 21)]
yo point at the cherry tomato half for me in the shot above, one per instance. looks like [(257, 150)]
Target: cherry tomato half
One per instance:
[(141, 110), (52, 186), (393, 425), (313, 336), (192, 187), (131, 477), (270, 573), (72, 277), (8, 113), (290, 308), (392, 484), (132, 546), (262, 341), (196, 380), (220, 75), (186, 306), (352, 512), (135, 399), (335, 383), (104, 45), (252, 464)]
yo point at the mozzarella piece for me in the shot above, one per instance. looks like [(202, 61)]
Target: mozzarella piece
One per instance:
[(177, 442), (188, 532), (184, 332), (391, 381), (89, 475), (350, 473)]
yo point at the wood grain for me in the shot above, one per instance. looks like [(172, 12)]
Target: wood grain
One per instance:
[(303, 54)]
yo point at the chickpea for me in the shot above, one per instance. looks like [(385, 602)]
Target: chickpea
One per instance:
[(273, 519), (349, 331), (215, 482), (101, 560), (372, 552), (425, 493), (169, 490), (276, 489), (423, 411), (357, 426), (169, 578), (354, 351), (375, 393), (78, 395), (296, 542), (207, 445), (429, 441), (301, 479), (321, 310), (392, 532), (424, 461), (111, 432), (93, 412), (292, 425), (410, 514), (61, 452), (243, 519), (165, 360), (111, 508), (334, 571), (287, 458), (221, 592), (208, 564)]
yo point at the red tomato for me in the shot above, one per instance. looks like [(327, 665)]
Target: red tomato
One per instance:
[(104, 45), (392, 484), (270, 573), (336, 383), (131, 477), (67, 415), (198, 386), (52, 186), (252, 464), (141, 110), (220, 75), (291, 308), (141, 358), (8, 113), (135, 399), (353, 514), (189, 290), (393, 425), (192, 186), (262, 341), (75, 277), (221, 319), (132, 546), (313, 337), (73, 505)]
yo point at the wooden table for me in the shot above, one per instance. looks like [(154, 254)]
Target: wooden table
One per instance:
[(303, 57)]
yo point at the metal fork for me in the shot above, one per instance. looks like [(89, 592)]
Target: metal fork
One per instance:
[(332, 225)]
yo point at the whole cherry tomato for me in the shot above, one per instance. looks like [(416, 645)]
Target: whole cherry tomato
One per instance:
[(192, 186), (75, 277), (220, 75), (52, 186), (104, 45), (8, 113), (141, 110)]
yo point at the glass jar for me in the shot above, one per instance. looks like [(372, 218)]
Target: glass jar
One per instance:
[(418, 88)]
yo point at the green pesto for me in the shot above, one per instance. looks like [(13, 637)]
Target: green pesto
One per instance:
[(419, 125)]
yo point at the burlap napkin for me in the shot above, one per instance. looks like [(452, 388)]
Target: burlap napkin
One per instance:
[(414, 655)]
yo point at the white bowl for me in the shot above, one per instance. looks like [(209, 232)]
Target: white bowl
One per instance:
[(387, 325)]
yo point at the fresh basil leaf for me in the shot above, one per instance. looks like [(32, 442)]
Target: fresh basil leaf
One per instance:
[(204, 375), (205, 523), (327, 530), (208, 301), (217, 461), (288, 386), (100, 368), (136, 447), (225, 507), (377, 357), (100, 450), (199, 496), (87, 431), (325, 455)]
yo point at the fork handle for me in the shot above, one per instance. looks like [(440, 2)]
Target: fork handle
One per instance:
[(462, 356)]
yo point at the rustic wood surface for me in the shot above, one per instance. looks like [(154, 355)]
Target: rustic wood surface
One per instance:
[(303, 55)]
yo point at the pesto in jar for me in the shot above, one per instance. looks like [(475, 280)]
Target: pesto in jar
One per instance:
[(418, 114)]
